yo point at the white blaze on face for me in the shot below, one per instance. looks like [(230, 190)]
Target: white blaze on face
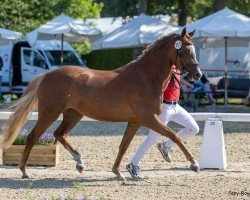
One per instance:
[(193, 49)]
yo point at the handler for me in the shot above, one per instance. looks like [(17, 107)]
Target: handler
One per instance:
[(171, 111)]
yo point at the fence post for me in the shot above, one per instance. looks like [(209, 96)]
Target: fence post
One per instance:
[(212, 154)]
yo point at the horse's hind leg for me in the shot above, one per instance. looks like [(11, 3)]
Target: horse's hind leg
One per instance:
[(43, 122), (70, 119), (126, 140)]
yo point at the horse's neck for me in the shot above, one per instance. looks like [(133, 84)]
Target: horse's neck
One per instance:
[(122, 68), (156, 68)]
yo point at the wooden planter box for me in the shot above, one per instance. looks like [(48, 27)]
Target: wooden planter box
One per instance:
[(39, 155)]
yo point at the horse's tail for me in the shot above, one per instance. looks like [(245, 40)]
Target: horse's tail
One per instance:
[(22, 111)]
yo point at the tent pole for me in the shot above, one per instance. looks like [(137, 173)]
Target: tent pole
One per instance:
[(61, 49), (226, 75)]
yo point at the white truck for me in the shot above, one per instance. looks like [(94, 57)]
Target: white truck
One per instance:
[(21, 62)]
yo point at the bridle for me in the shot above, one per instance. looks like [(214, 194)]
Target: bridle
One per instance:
[(186, 68)]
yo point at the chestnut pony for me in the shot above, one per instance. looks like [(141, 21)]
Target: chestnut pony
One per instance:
[(131, 93)]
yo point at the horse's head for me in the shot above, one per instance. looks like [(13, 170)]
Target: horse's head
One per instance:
[(184, 57)]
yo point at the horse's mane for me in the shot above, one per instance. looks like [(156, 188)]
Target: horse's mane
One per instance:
[(152, 46)]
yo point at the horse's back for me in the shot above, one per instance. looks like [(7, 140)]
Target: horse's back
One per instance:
[(69, 78), (94, 93)]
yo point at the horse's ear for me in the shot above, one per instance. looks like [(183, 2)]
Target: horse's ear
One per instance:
[(184, 31), (191, 34)]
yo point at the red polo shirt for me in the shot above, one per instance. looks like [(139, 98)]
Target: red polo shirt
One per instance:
[(172, 93)]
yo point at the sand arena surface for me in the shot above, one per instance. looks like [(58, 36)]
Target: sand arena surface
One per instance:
[(98, 143)]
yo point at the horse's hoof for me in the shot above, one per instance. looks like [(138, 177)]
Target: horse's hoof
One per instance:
[(120, 177), (25, 176), (79, 168), (195, 167)]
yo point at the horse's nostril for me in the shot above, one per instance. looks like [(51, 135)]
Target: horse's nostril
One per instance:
[(198, 75)]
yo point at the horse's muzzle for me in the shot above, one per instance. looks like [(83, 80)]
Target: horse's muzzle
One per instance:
[(198, 76), (197, 73)]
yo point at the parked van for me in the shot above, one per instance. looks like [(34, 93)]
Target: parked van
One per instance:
[(21, 62)]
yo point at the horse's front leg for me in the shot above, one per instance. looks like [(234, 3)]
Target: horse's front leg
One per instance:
[(154, 123), (127, 138)]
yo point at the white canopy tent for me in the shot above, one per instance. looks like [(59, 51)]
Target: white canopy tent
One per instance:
[(106, 24), (7, 35), (222, 28), (109, 24), (72, 30), (64, 28), (245, 32), (138, 32), (224, 23)]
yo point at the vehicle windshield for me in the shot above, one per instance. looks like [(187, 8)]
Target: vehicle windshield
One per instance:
[(69, 58)]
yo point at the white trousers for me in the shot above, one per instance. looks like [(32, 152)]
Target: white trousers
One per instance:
[(169, 113)]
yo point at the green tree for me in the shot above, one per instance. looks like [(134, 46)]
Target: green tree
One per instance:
[(119, 8), (185, 9), (218, 5), (25, 15), (241, 6), (82, 9)]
